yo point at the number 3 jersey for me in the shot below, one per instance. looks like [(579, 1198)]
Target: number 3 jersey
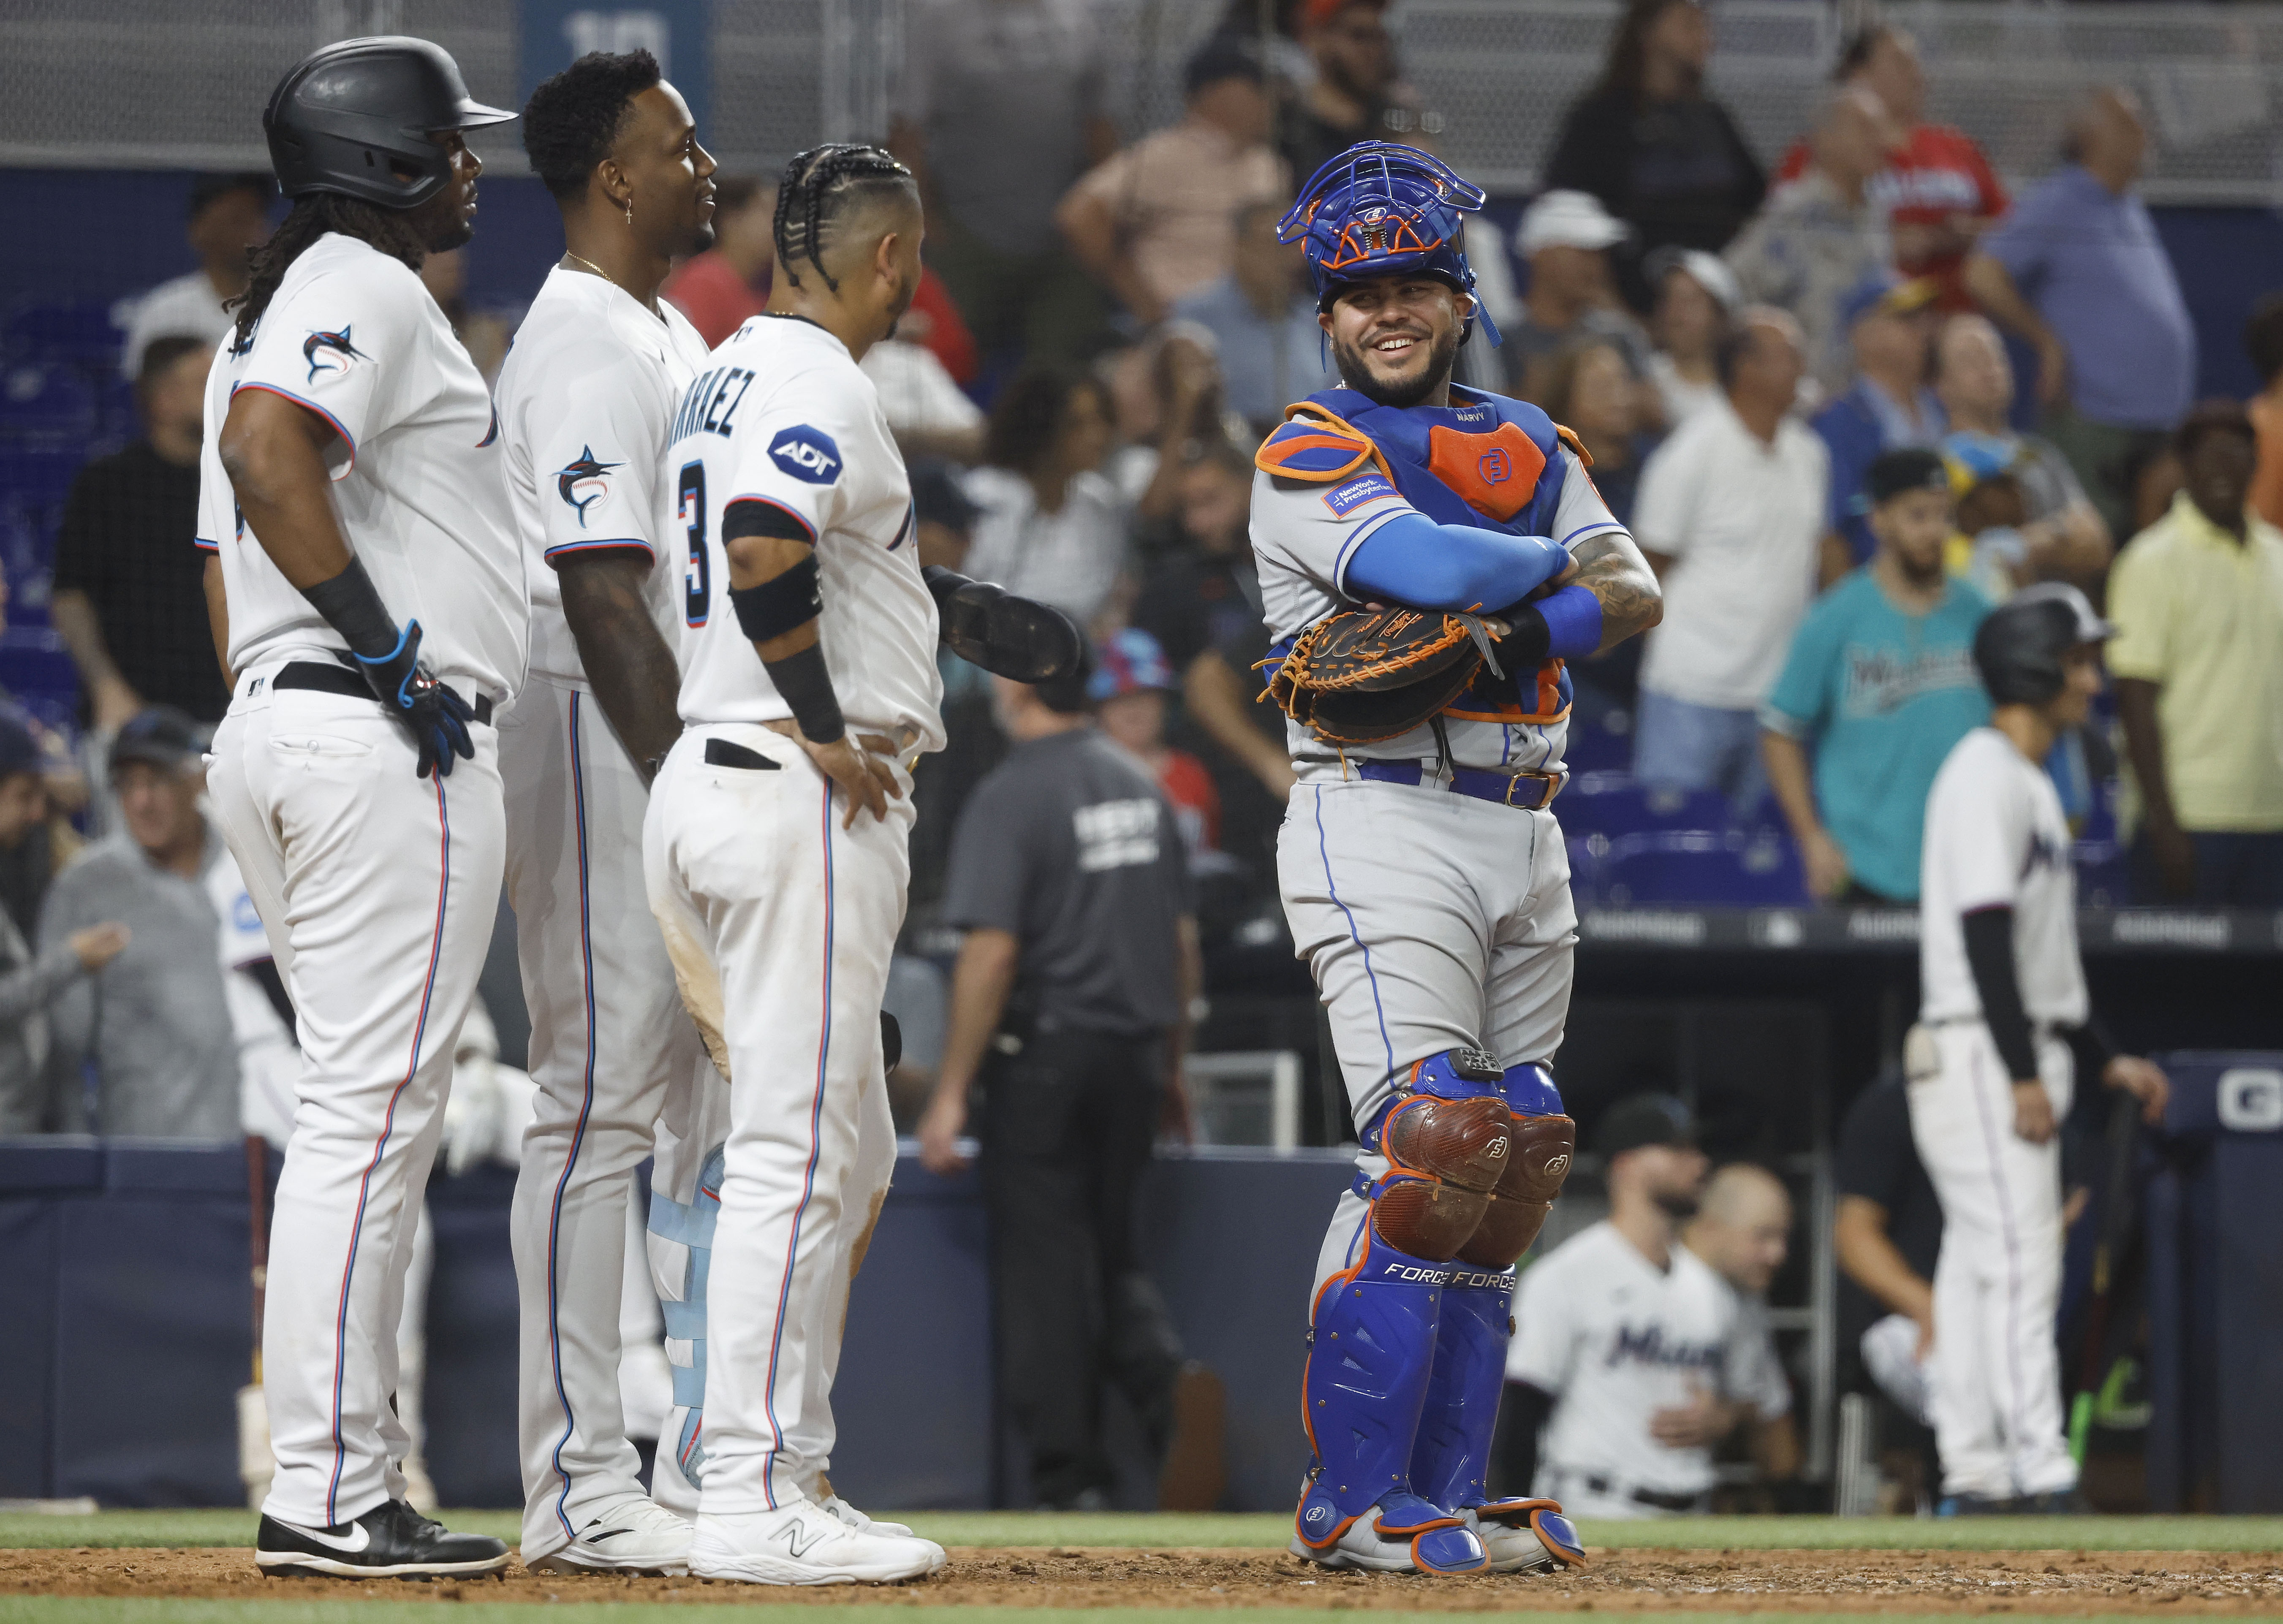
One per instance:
[(780, 415), (584, 401)]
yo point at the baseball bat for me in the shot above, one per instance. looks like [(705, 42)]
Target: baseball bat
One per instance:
[(255, 1463), (2116, 1230)]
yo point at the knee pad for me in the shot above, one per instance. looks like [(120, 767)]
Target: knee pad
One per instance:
[(1446, 1138), (1371, 1348), (1450, 1458), (1542, 1143)]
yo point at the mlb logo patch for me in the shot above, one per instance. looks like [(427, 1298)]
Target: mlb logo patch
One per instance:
[(1347, 498), (807, 454)]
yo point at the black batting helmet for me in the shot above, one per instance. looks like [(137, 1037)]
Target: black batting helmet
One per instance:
[(2019, 648), (355, 118)]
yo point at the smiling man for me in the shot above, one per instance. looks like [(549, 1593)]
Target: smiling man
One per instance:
[(1423, 876), (366, 592), (584, 402)]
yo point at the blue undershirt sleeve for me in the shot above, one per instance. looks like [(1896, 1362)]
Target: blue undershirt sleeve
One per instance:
[(1413, 561)]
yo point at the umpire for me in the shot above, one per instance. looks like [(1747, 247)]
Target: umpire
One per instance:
[(1069, 1005)]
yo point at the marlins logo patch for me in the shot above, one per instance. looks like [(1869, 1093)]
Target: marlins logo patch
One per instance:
[(584, 482), (331, 352), (807, 454)]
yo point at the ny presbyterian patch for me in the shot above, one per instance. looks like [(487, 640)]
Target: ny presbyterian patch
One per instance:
[(1347, 498)]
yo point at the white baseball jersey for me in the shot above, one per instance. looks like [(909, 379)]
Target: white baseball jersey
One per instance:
[(1615, 1338), (1303, 536), (352, 335), (781, 415), (583, 405), (1996, 837)]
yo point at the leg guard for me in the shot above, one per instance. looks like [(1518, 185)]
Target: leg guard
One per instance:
[(1371, 1347), (680, 1465), (1541, 1144)]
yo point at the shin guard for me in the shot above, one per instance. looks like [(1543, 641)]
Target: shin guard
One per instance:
[(1371, 1351), (1450, 1459)]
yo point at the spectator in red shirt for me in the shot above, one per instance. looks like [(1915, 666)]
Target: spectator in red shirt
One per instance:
[(1938, 190), (1129, 689), (722, 288)]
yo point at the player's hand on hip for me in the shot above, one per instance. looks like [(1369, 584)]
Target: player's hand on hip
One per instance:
[(866, 776), (940, 1125), (2143, 1080), (1701, 1421), (98, 945), (435, 716), (2033, 1112)]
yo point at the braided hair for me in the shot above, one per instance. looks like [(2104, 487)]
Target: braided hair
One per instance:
[(818, 185), (313, 215)]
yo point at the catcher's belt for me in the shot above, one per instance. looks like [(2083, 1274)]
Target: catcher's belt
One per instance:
[(1531, 791)]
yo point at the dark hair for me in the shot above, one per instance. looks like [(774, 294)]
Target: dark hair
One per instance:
[(573, 121), (2262, 337), (315, 213), (2209, 417), (1861, 46), (1629, 45), (209, 189), (1027, 418), (164, 351), (821, 184)]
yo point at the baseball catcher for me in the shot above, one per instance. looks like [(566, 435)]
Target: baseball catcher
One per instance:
[(1429, 557)]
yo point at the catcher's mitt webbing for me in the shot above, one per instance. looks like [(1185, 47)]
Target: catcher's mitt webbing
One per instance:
[(1360, 676)]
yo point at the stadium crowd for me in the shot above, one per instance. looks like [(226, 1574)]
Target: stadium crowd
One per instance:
[(1845, 407)]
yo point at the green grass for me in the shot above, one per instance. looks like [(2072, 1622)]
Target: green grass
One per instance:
[(25, 1530), (44, 1610)]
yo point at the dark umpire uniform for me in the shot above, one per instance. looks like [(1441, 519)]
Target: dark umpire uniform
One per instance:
[(1068, 873)]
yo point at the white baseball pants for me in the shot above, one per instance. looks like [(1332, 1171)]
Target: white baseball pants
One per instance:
[(606, 1032), (378, 890), (1431, 921), (1997, 1386), (780, 925)]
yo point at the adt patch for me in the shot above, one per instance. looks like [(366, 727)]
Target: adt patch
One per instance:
[(1347, 498), (807, 454)]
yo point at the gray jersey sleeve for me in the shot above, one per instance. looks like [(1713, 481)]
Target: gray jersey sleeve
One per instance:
[(1303, 536)]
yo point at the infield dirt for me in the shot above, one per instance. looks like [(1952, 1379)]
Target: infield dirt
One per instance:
[(2059, 1581)]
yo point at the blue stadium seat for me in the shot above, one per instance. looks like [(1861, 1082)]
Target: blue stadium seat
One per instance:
[(1615, 803), (2103, 873), (64, 330), (1703, 867), (46, 397), (1585, 868), (1594, 745)]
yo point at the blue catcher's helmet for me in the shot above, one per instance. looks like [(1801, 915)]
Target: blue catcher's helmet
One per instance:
[(1381, 209)]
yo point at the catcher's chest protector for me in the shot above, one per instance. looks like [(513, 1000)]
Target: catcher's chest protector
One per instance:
[(1484, 460)]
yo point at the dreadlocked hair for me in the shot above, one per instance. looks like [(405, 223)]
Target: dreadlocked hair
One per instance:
[(818, 185), (313, 215)]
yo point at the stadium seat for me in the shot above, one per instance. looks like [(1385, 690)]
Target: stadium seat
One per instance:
[(1615, 803), (62, 330), (1594, 745), (1584, 867), (2103, 873), (46, 398), (1703, 867)]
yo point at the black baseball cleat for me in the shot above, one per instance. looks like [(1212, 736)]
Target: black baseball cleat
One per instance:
[(392, 1541)]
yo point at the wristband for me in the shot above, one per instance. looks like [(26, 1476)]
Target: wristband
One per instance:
[(1573, 622), (806, 685), (352, 606)]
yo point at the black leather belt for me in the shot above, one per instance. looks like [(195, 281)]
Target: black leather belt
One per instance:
[(1644, 1496), (1531, 791), (723, 753), (325, 678)]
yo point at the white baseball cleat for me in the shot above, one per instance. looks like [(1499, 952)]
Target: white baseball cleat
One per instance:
[(862, 1523), (635, 1536), (805, 1544), (1526, 1536)]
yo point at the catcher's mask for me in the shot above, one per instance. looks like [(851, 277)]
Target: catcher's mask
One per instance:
[(1384, 209)]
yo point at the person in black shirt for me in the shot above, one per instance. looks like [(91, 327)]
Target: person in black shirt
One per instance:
[(129, 586), (1070, 1004), (1358, 94), (1658, 152), (1887, 1230)]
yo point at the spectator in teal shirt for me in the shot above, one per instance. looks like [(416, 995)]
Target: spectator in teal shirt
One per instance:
[(1879, 685)]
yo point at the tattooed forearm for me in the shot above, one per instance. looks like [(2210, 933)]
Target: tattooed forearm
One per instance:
[(1613, 570), (627, 662)]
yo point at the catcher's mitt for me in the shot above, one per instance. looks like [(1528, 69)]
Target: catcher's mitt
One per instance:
[(1360, 676)]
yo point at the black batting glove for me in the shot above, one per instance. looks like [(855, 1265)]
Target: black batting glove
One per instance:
[(435, 717)]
